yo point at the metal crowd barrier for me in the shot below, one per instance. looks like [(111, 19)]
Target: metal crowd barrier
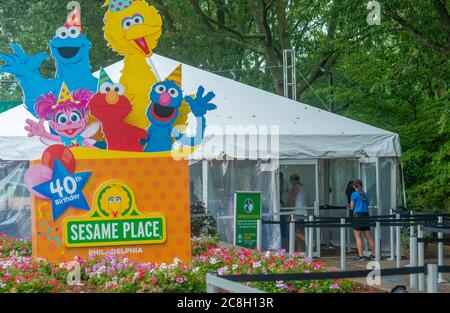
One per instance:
[(424, 222), (393, 221), (230, 283)]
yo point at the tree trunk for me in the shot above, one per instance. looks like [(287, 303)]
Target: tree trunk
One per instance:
[(273, 58)]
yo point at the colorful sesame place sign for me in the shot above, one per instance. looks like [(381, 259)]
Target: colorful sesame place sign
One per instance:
[(114, 221), (138, 208)]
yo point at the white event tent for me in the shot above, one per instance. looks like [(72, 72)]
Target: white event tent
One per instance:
[(254, 141)]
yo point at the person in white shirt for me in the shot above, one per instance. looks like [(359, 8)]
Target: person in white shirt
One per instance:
[(297, 200)]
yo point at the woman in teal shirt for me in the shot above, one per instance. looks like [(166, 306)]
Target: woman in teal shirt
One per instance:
[(360, 205)]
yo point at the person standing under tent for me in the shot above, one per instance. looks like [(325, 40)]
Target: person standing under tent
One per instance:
[(283, 218), (348, 194), (359, 203), (297, 201)]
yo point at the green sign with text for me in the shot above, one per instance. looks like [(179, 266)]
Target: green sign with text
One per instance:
[(247, 212), (142, 230)]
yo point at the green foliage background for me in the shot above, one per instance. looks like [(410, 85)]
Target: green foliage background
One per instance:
[(394, 76)]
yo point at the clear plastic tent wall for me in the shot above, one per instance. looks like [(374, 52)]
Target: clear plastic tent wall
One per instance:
[(227, 177), (15, 200), (224, 178)]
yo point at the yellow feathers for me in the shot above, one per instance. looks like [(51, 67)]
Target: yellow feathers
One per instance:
[(135, 30), (134, 33)]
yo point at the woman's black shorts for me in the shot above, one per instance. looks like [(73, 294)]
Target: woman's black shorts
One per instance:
[(361, 221)]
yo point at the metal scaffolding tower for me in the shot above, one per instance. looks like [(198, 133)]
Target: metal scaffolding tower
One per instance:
[(290, 74)]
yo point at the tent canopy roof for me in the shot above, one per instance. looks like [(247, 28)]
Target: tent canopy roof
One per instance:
[(304, 131)]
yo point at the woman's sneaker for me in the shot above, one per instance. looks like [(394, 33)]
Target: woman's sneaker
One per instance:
[(370, 258), (359, 258)]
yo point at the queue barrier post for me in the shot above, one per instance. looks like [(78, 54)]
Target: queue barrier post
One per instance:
[(421, 257), (413, 261), (347, 230), (398, 246), (306, 231), (318, 231), (378, 242), (411, 228), (441, 278), (343, 246), (292, 235), (259, 234), (217, 223), (310, 238), (392, 237), (432, 278)]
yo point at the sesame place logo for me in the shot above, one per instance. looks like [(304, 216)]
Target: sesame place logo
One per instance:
[(114, 221)]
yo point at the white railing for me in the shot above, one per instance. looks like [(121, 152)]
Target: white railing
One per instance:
[(214, 284)]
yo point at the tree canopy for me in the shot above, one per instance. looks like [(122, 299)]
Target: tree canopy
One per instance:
[(394, 75)]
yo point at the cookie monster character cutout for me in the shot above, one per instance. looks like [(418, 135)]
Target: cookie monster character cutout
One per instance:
[(111, 107), (167, 98), (67, 116), (70, 49)]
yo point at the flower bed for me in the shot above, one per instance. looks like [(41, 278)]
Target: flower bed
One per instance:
[(20, 273), (12, 246)]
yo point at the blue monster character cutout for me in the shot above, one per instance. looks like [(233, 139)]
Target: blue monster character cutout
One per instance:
[(70, 49), (167, 98)]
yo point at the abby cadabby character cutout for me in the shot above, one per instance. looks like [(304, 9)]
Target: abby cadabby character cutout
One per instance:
[(67, 116)]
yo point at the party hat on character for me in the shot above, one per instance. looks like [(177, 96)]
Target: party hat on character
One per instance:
[(64, 94), (118, 5), (74, 20), (103, 78), (176, 75)]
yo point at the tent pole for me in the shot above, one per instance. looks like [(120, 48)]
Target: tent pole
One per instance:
[(205, 184), (403, 185), (317, 210), (378, 184), (152, 65), (379, 204)]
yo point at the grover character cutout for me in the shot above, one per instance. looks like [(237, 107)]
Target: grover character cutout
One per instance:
[(163, 111)]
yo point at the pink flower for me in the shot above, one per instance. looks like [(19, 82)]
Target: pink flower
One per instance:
[(79, 260), (334, 286), (138, 276), (154, 280), (6, 277)]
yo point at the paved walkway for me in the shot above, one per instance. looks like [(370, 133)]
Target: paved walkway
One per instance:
[(331, 258)]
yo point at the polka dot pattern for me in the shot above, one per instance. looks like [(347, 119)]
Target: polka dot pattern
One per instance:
[(159, 185), (119, 5)]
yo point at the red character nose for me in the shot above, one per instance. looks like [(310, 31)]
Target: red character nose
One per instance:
[(165, 99)]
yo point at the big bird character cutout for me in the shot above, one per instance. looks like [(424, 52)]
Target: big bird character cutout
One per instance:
[(132, 29)]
